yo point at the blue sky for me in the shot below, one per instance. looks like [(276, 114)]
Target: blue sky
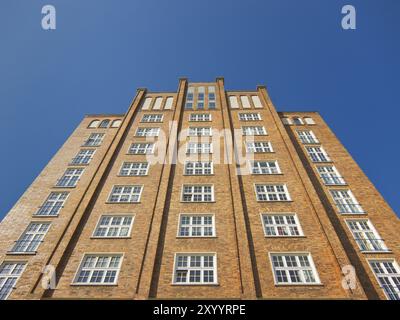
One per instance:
[(102, 51)]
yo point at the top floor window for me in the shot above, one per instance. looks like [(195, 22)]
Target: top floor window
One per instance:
[(94, 124), (104, 124), (297, 121), (211, 97)]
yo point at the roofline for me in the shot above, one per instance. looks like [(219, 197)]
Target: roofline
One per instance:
[(298, 112), (105, 115)]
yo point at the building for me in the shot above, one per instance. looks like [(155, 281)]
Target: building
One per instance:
[(138, 205)]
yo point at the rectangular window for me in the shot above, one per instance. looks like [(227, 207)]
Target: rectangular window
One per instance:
[(94, 140), (192, 268), (346, 202), (9, 275), (169, 103), (365, 235), (233, 102), (199, 131), (281, 225), (200, 117), (196, 225), (286, 121), (152, 117), (109, 226), (32, 237), (198, 193), (330, 175), (307, 137), (147, 132), (318, 154), (256, 101), (53, 204), (272, 192), (258, 147), (70, 178), (211, 97), (200, 97), (84, 156), (125, 194), (198, 168), (141, 148), (264, 167), (147, 103), (388, 274), (193, 147), (245, 102), (295, 268), (158, 103), (249, 116), (134, 169), (309, 120), (98, 269), (254, 131)]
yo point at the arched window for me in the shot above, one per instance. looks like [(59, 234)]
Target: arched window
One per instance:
[(297, 120), (116, 123), (104, 124), (94, 124)]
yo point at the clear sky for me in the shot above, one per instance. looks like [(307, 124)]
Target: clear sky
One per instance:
[(102, 51)]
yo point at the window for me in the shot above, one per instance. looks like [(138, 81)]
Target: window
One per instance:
[(318, 154), (94, 124), (196, 225), (141, 148), (157, 103), (193, 147), (198, 168), (168, 103), (264, 167), (249, 116), (116, 123), (199, 131), (104, 124), (365, 235), (189, 98), (309, 120), (200, 97), (70, 178), (198, 193), (346, 202), (281, 225), (211, 97), (32, 237), (99, 269), (245, 102), (125, 194), (272, 192), (256, 101), (147, 103), (330, 175), (147, 132), (134, 169), (195, 269), (254, 131), (9, 275), (53, 204), (292, 268), (199, 117), (152, 118), (286, 121), (258, 147), (83, 157), (307, 137), (113, 226), (297, 121), (234, 103), (94, 140), (388, 274)]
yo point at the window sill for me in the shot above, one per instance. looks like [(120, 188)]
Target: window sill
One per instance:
[(196, 237), (197, 202), (41, 216), (135, 175), (120, 202), (194, 175), (195, 284), (285, 201), (64, 187), (104, 238), (353, 213), (13, 253), (267, 174), (378, 252), (280, 237), (318, 284), (94, 284)]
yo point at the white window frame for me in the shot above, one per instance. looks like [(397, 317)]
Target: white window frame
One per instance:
[(30, 240), (201, 268), (254, 131), (307, 137), (265, 146), (191, 226), (52, 203), (394, 293), (275, 185), (317, 154), (286, 121), (147, 132), (120, 194), (281, 226), (247, 116), (134, 172), (330, 175), (195, 167), (200, 148), (94, 269), (286, 268), (70, 178), (152, 118), (309, 120), (299, 119), (8, 280), (196, 193), (363, 238), (200, 117), (200, 131), (350, 202), (94, 140), (147, 147), (257, 164), (110, 226), (83, 157)]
